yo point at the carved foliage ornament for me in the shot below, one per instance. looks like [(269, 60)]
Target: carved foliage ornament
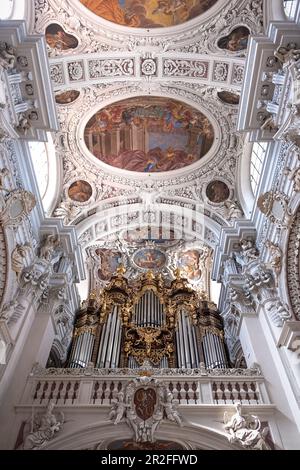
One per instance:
[(293, 266), (150, 344)]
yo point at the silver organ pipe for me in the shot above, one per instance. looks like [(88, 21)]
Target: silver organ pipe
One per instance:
[(116, 343), (147, 309), (102, 351), (185, 338), (214, 351), (140, 313), (187, 351), (143, 310), (132, 364), (110, 343), (148, 312), (153, 309), (181, 344), (197, 358), (111, 337), (82, 352), (164, 363), (191, 343)]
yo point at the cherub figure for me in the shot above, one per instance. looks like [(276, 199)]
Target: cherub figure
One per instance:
[(171, 412), (118, 410)]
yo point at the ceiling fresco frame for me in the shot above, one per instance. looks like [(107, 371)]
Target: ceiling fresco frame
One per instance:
[(191, 23), (215, 147), (190, 36)]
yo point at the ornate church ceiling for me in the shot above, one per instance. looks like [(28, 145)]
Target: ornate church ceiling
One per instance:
[(148, 13), (147, 99)]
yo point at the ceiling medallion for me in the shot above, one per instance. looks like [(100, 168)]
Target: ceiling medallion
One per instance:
[(217, 191), (80, 191), (149, 259)]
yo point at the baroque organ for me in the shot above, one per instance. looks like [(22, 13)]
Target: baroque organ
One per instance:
[(148, 322)]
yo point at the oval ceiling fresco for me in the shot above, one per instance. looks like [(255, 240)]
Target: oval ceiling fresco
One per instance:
[(148, 13), (149, 134), (149, 258)]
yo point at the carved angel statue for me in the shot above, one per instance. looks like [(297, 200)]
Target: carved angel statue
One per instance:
[(43, 429), (24, 123), (246, 430), (29, 201), (7, 56), (276, 257), (170, 410), (249, 251), (18, 257), (48, 247), (287, 54), (118, 410), (3, 173), (233, 210)]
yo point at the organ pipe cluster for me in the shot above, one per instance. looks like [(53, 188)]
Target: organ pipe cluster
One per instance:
[(148, 321)]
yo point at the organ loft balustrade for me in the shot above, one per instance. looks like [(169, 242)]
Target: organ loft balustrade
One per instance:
[(91, 386)]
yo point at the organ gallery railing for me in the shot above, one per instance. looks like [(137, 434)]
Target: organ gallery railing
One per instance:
[(68, 387)]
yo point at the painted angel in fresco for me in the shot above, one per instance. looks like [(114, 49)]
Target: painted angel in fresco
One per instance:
[(112, 11), (236, 41), (57, 38)]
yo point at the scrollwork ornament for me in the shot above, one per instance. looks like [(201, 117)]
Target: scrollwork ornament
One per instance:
[(274, 205), (16, 207)]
